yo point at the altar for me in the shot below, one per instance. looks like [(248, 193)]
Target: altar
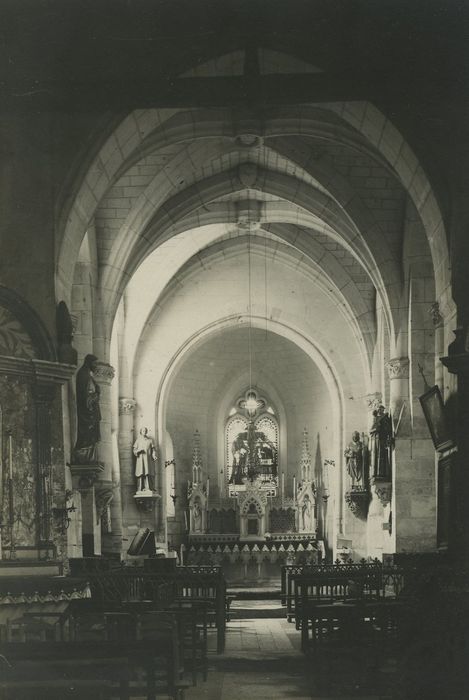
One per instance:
[(253, 535), (255, 528)]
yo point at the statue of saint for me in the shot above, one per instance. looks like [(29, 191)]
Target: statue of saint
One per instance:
[(239, 451), (266, 456), (197, 516), (144, 450), (381, 443), (355, 455), (307, 515), (88, 413)]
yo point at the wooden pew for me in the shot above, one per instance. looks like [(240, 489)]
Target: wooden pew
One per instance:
[(341, 623), (93, 660), (355, 645), (187, 585), (192, 635), (287, 589), (327, 583)]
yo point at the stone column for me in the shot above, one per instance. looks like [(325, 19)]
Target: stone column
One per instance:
[(438, 325), (131, 517), (374, 529), (413, 482), (396, 495), (108, 507)]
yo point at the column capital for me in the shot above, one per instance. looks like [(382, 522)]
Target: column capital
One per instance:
[(398, 368), (126, 405), (104, 373)]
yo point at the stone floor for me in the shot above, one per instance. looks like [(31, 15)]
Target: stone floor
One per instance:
[(262, 661)]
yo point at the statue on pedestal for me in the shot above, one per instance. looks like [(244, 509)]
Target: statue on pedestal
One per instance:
[(381, 444), (88, 413), (144, 450), (355, 455)]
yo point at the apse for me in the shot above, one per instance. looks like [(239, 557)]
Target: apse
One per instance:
[(208, 386), (249, 421)]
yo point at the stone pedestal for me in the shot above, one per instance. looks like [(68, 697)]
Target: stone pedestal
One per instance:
[(358, 501), (84, 477), (146, 500)]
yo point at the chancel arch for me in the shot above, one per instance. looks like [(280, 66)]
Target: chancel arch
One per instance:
[(324, 202)]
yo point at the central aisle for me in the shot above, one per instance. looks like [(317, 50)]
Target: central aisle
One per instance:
[(262, 661)]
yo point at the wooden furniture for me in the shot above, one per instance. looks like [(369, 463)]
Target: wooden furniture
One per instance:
[(348, 623), (197, 585), (93, 660), (330, 583)]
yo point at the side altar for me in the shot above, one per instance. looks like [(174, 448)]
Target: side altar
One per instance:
[(255, 529)]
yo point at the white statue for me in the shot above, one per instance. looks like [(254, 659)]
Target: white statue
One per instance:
[(144, 450), (197, 516), (307, 515)]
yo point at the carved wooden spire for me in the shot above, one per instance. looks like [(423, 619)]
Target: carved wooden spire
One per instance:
[(305, 464), (196, 460)]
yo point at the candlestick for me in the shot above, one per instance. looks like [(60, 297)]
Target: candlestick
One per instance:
[(1, 480), (10, 455), (294, 487), (208, 486)]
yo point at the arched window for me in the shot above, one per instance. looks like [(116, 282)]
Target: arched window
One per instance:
[(251, 448)]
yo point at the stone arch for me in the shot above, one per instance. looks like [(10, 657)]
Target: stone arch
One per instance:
[(366, 118), (346, 296), (160, 217), (28, 337), (306, 245), (326, 368), (252, 500), (118, 271)]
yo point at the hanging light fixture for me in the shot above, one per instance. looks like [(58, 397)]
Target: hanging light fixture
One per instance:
[(252, 403), (250, 397)]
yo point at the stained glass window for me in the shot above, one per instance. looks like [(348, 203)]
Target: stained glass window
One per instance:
[(251, 449)]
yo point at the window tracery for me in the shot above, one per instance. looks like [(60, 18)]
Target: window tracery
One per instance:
[(251, 444)]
